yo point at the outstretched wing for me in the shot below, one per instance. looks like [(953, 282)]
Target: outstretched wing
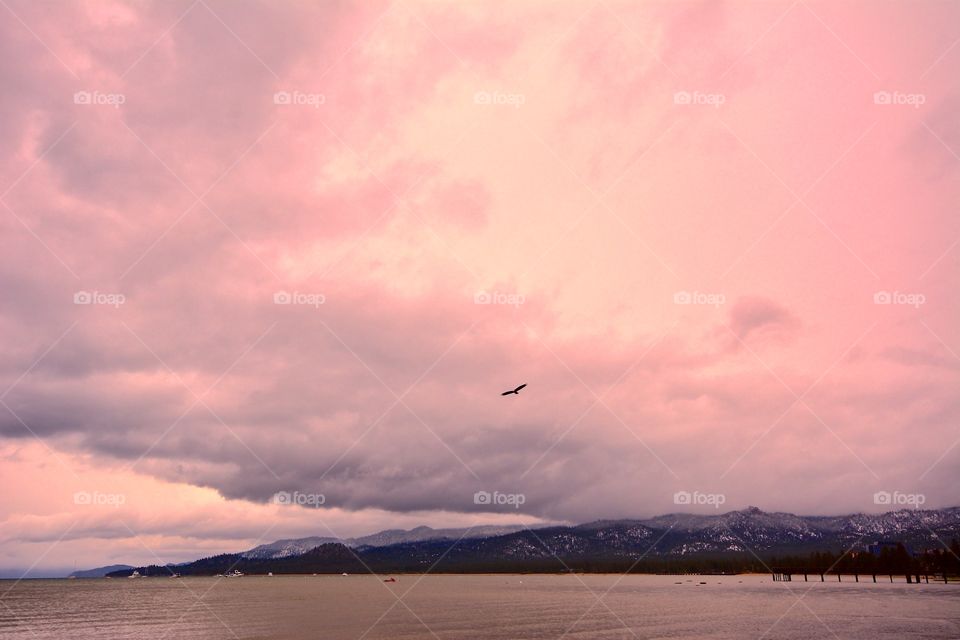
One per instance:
[(506, 393), (520, 387)]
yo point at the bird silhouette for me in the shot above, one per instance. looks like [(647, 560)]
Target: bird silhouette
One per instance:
[(514, 391)]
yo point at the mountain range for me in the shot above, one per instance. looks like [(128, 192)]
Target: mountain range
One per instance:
[(298, 546), (677, 537)]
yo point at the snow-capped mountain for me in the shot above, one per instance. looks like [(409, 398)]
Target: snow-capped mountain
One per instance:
[(299, 546), (752, 528), (672, 542), (675, 534)]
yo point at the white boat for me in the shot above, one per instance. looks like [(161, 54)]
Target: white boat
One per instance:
[(135, 574), (269, 574)]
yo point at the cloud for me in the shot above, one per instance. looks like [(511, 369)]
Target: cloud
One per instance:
[(759, 315), (385, 198)]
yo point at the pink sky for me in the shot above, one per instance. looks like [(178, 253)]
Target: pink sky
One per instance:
[(582, 165)]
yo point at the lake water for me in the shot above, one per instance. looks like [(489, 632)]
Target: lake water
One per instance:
[(475, 607)]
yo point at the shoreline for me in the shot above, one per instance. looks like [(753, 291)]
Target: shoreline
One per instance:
[(382, 576)]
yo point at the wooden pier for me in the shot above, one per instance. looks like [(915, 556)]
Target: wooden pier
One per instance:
[(781, 574)]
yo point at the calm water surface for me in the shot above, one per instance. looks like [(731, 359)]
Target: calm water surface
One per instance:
[(475, 607)]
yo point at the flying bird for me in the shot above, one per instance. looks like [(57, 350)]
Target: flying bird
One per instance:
[(514, 391)]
